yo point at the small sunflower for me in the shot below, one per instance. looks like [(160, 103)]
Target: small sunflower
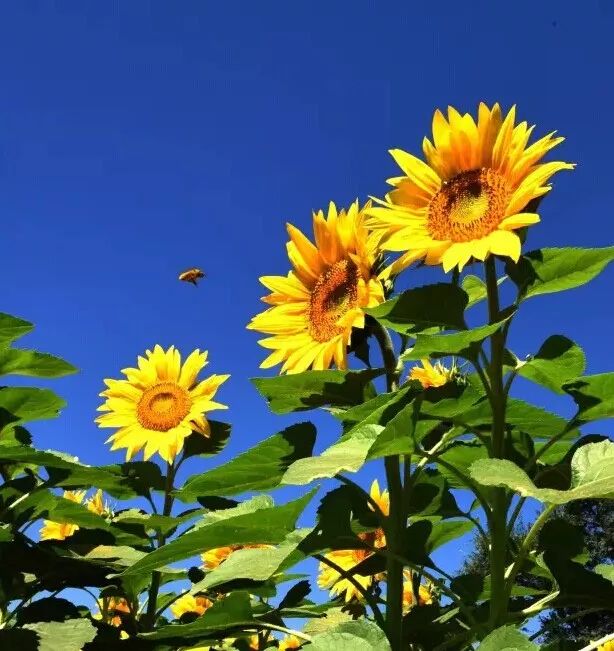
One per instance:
[(160, 403), (316, 306), (111, 606), (470, 196), (212, 558), (425, 593), (290, 642), (348, 559), (608, 646), (190, 604), (52, 530), (96, 504), (432, 375)]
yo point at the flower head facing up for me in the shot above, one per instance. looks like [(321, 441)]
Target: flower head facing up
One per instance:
[(52, 530), (314, 308), (347, 559), (430, 375), (196, 604), (470, 196), (160, 403)]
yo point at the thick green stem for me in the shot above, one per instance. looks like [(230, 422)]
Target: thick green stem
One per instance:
[(498, 519), (156, 577), (397, 520)]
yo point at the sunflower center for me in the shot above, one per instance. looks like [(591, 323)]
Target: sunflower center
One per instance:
[(163, 406), (469, 206), (334, 294)]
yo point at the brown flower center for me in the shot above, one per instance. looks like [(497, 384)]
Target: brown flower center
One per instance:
[(163, 406), (469, 206), (334, 294)]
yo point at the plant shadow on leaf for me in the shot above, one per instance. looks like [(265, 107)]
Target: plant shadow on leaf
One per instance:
[(206, 446), (18, 638)]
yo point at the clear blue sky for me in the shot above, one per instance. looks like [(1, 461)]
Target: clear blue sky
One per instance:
[(139, 138)]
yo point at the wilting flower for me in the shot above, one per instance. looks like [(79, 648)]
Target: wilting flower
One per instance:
[(96, 504), (432, 375), (160, 403), (315, 306), (112, 606), (214, 557), (349, 559), (470, 196), (196, 604), (290, 642), (425, 594), (52, 530)]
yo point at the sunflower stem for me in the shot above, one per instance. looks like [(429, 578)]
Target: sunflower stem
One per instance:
[(396, 521), (156, 577), (498, 402)]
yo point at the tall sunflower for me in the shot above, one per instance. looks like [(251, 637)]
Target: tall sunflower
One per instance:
[(160, 403), (315, 306), (470, 196)]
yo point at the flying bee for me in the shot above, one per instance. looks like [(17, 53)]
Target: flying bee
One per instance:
[(192, 275)]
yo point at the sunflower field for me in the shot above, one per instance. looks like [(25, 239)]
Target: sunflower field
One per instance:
[(134, 557)]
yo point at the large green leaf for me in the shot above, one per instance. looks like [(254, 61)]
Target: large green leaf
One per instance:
[(507, 638), (260, 468), (226, 614), (12, 328), (311, 389), (24, 404), (592, 476), (31, 362), (444, 531), (545, 271), (346, 456), (460, 455), (476, 288), (557, 361), (269, 525), (258, 564), (440, 305), (594, 395), (357, 635), (463, 344), (70, 635)]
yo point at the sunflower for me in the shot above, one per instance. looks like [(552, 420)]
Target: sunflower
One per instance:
[(160, 403), (470, 196), (315, 306), (348, 559), (52, 530), (608, 646), (290, 642), (432, 375), (111, 607), (425, 594), (212, 558), (96, 504), (190, 604)]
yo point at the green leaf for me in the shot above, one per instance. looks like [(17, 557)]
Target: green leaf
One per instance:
[(463, 344), (70, 635), (12, 328), (592, 476), (446, 530), (311, 389), (260, 468), (32, 363), (461, 455), (258, 564), (594, 395), (357, 635), (606, 571), (346, 456), (557, 361), (230, 612), (441, 305), (476, 289), (267, 525), (24, 404), (545, 271), (507, 638)]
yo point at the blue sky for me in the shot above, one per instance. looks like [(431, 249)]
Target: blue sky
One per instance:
[(137, 139)]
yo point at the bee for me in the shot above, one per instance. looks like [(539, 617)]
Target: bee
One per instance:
[(192, 275)]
